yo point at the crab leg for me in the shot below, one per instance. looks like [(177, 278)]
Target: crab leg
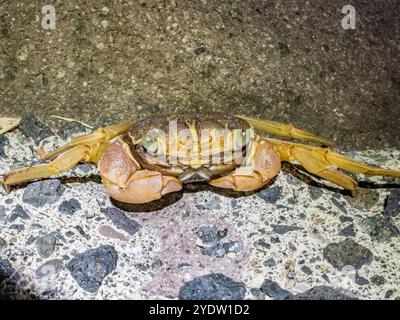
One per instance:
[(319, 161), (89, 148), (101, 134), (285, 130), (124, 181), (262, 164), (63, 163)]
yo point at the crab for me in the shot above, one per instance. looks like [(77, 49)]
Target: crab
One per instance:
[(139, 162)]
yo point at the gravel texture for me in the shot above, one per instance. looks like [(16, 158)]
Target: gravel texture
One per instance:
[(275, 59)]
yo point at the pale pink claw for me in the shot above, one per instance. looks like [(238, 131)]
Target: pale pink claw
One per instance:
[(124, 182), (266, 165)]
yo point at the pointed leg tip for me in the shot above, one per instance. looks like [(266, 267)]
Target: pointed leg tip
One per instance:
[(6, 187)]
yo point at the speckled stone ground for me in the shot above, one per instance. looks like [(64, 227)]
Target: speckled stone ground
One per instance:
[(288, 61), (295, 239)]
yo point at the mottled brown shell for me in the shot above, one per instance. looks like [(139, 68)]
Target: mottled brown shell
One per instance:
[(207, 120)]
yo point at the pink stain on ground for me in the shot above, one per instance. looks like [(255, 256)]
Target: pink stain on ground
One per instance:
[(110, 232), (179, 246)]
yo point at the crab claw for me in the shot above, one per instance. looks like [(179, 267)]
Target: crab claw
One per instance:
[(144, 186), (263, 164), (124, 181)]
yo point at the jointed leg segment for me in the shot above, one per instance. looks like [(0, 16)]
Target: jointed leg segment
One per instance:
[(285, 130), (321, 162), (101, 134), (88, 148)]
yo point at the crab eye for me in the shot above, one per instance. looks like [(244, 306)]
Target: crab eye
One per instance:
[(241, 138), (149, 142)]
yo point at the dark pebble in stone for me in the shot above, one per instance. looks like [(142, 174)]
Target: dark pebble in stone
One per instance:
[(3, 244), (84, 168), (82, 232), (361, 281), (3, 142), (214, 242), (378, 280), (380, 227), (341, 206), (6, 270), (49, 268), (346, 219), (33, 128), (31, 239), (211, 204), (210, 234), (348, 231), (292, 180), (18, 227), (326, 278), (306, 270), (389, 293), (69, 207), (221, 248), (121, 221), (3, 215), (321, 293), (184, 266), (262, 243), (71, 129), (46, 245), (92, 266), (364, 198), (198, 51), (43, 192), (315, 193), (257, 293), (18, 212), (270, 195), (269, 263), (283, 49), (157, 264), (347, 252), (275, 240), (69, 234), (392, 204), (273, 290), (213, 286), (282, 229)]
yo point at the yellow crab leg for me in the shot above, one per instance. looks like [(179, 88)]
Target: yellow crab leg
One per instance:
[(62, 163), (101, 134), (319, 161), (285, 130)]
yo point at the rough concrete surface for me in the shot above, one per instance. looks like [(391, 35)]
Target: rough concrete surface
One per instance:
[(289, 61)]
